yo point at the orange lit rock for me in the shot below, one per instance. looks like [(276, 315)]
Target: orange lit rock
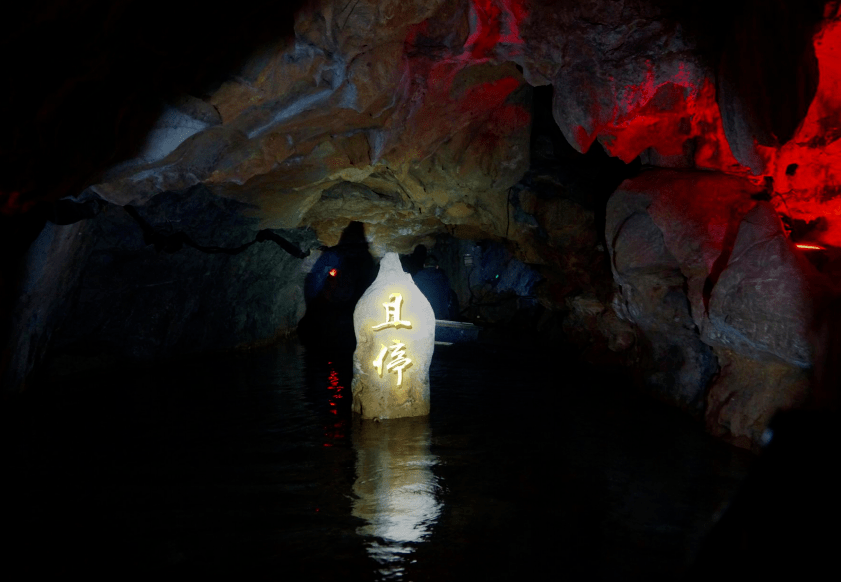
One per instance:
[(747, 394)]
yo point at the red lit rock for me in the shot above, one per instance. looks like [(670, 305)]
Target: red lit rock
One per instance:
[(807, 169), (767, 75), (709, 275), (696, 214)]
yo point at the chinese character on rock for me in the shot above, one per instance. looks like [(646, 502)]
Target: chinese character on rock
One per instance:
[(399, 361), (392, 313)]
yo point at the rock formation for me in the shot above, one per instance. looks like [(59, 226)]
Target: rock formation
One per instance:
[(162, 197), (395, 337), (710, 277)]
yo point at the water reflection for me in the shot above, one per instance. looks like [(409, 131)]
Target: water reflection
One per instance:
[(336, 429), (395, 488)]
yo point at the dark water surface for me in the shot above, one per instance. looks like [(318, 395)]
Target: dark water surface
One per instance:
[(252, 465)]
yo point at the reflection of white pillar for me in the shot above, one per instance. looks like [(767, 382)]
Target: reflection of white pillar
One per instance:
[(395, 486)]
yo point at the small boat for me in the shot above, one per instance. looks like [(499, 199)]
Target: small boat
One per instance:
[(453, 332)]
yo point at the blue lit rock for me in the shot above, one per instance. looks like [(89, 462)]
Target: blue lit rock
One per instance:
[(395, 336)]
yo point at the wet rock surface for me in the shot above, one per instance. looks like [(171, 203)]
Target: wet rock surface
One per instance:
[(351, 100)]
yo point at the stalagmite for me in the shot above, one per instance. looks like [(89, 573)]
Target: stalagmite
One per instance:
[(395, 336)]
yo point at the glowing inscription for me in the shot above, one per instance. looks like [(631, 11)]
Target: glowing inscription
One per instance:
[(398, 361), (392, 313)]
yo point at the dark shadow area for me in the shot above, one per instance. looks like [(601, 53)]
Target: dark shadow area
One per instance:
[(414, 262), (86, 81), (434, 283), (587, 179), (331, 289), (171, 242), (84, 84), (177, 468), (184, 273), (432, 279), (241, 465), (762, 53), (784, 520)]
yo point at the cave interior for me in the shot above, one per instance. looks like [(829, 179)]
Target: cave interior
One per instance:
[(635, 203)]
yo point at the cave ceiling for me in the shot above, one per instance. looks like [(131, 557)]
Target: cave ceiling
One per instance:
[(413, 117)]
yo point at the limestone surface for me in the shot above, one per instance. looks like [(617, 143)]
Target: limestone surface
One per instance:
[(395, 336), (720, 294)]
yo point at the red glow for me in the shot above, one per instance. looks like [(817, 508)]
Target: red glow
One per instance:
[(664, 115), (476, 99), (484, 38), (496, 22), (338, 429), (712, 151), (463, 102), (10, 204), (807, 169), (490, 98), (333, 272)]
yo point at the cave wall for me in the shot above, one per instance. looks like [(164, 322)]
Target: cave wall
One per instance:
[(190, 277), (728, 303), (496, 128), (185, 273)]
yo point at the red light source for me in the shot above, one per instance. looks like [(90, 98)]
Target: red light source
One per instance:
[(807, 247), (333, 272)]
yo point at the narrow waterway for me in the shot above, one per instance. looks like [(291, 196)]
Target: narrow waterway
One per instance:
[(253, 464)]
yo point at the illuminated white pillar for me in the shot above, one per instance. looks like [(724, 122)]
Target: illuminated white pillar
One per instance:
[(395, 336)]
